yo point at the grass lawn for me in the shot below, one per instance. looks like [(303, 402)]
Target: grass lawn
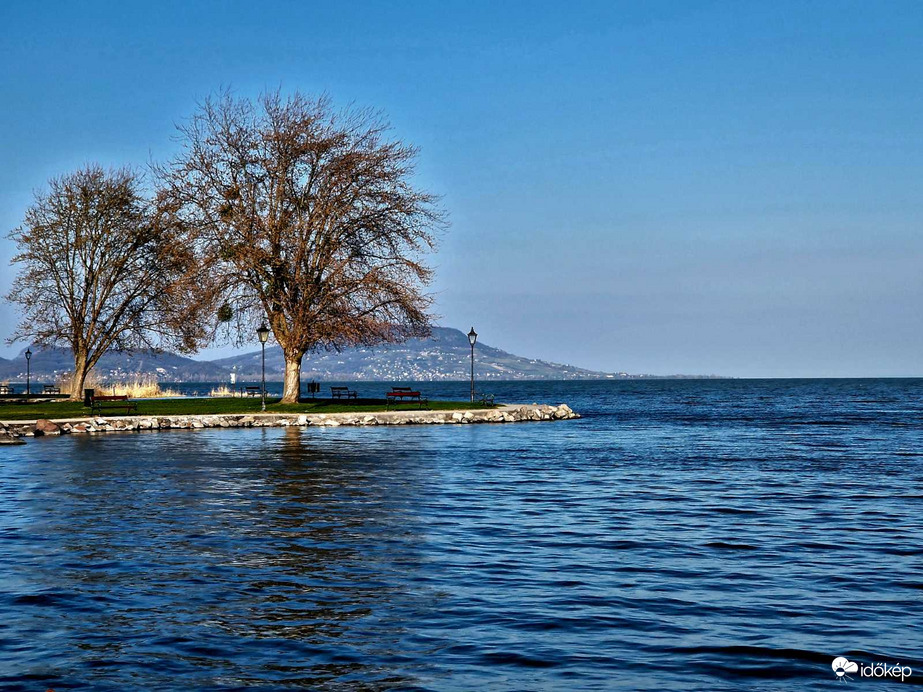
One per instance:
[(218, 406)]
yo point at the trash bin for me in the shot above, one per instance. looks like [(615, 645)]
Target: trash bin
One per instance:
[(88, 397)]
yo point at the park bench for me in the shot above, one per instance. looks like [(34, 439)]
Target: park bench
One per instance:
[(486, 399), (253, 391), (51, 389), (100, 403), (343, 393), (6, 389), (399, 394)]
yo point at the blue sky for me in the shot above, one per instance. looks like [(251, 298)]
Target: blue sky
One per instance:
[(662, 187)]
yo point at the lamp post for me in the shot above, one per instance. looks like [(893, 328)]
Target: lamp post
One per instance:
[(28, 372), (472, 339), (263, 333)]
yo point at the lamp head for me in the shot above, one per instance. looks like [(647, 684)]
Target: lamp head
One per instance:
[(28, 354), (472, 337), (263, 333)]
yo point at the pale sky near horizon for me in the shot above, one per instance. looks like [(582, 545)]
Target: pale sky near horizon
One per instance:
[(725, 188)]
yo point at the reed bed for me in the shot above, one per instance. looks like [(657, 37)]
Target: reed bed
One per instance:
[(223, 391), (136, 386)]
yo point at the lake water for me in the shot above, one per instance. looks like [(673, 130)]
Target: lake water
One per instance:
[(683, 535)]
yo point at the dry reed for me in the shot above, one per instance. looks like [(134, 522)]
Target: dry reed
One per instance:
[(138, 386), (223, 391)]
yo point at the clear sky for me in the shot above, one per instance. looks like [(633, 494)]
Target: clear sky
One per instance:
[(661, 187)]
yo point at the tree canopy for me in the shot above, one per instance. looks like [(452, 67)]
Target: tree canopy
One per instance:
[(305, 217), (97, 272)]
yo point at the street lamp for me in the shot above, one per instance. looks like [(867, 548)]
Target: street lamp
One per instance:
[(28, 372), (472, 339), (263, 333)]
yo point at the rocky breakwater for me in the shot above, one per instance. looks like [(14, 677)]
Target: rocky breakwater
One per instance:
[(12, 431)]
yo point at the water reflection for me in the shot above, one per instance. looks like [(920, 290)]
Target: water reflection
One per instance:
[(263, 555)]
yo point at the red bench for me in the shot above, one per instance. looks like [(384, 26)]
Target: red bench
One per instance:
[(398, 394)]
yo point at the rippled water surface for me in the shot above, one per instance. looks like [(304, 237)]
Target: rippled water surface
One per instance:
[(688, 535)]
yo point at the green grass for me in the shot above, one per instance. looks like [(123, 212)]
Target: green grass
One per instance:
[(217, 406)]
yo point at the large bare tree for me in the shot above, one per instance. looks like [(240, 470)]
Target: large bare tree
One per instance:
[(97, 273), (305, 217)]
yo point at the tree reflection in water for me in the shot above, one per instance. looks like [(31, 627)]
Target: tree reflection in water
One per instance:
[(232, 558)]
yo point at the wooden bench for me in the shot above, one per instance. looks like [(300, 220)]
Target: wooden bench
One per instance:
[(51, 389), (99, 403), (253, 391), (343, 393), (398, 394)]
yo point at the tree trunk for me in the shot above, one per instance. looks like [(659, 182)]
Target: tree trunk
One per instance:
[(291, 391), (79, 376)]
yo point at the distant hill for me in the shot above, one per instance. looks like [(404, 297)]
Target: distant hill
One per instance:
[(446, 355), (443, 356), (50, 364)]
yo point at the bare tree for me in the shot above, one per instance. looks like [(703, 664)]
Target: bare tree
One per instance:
[(304, 217), (97, 273)]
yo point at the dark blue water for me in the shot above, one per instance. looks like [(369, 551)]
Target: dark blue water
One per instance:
[(687, 535)]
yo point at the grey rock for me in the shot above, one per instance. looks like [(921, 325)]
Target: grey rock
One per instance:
[(7, 438)]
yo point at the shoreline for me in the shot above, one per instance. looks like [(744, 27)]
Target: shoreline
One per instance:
[(12, 432)]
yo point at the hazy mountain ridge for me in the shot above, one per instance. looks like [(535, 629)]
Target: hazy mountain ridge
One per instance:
[(443, 356), (50, 364)]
